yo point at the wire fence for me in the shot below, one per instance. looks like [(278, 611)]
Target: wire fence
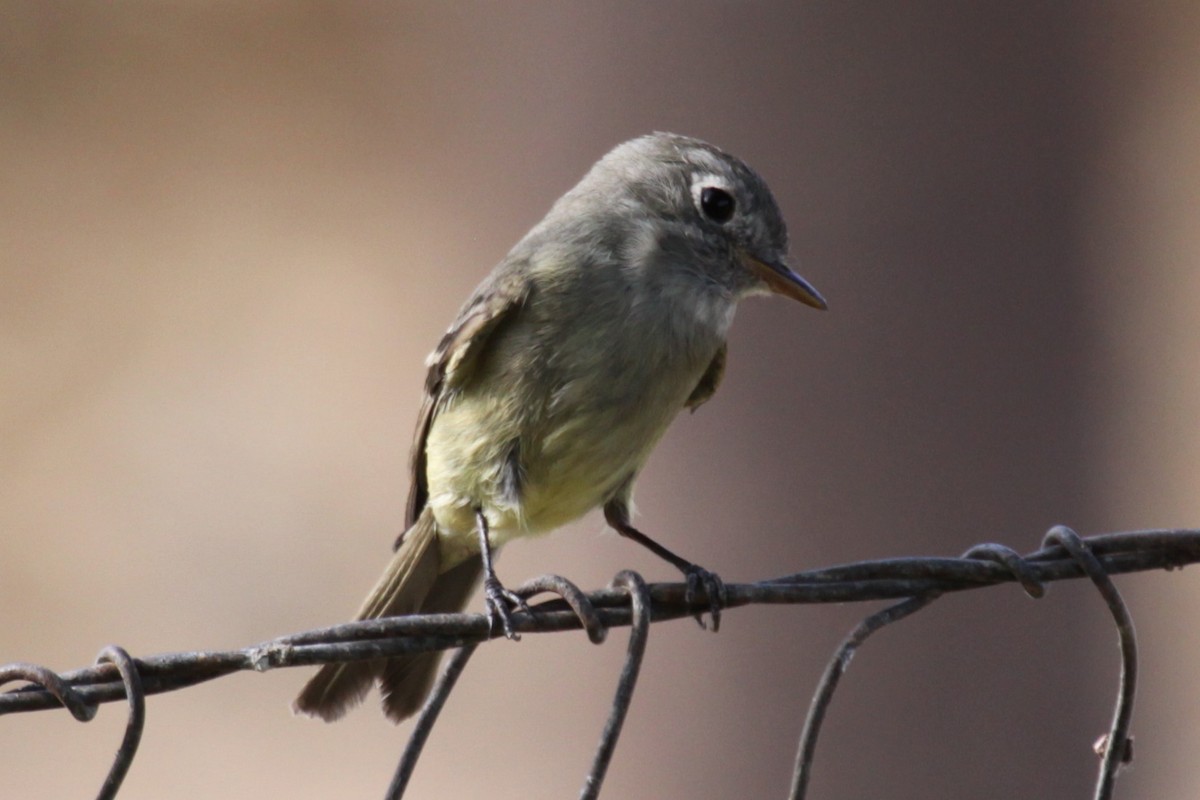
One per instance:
[(629, 601)]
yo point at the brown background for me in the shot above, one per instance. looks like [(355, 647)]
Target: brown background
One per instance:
[(230, 234)]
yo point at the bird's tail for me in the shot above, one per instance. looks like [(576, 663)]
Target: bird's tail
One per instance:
[(410, 584)]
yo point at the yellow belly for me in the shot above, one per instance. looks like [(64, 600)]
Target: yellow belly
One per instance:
[(574, 456)]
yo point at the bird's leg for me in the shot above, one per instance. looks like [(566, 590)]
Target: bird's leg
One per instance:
[(498, 601), (616, 512)]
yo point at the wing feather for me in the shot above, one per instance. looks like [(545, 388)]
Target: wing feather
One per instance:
[(453, 362), (709, 381)]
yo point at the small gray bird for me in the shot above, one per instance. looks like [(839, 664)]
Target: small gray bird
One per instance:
[(561, 372)]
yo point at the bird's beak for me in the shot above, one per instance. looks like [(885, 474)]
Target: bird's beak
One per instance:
[(780, 279)]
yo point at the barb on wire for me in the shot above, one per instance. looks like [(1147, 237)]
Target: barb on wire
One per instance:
[(913, 581)]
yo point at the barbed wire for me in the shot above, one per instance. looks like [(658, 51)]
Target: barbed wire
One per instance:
[(629, 601)]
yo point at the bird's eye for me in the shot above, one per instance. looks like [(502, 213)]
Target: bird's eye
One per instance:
[(717, 204)]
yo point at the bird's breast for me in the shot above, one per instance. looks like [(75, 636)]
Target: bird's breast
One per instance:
[(567, 405)]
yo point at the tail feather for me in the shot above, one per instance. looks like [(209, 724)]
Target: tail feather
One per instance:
[(405, 682), (403, 588)]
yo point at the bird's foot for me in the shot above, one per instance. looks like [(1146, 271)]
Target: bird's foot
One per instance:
[(698, 578), (499, 603)]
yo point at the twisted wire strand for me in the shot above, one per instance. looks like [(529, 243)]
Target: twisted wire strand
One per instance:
[(914, 582)]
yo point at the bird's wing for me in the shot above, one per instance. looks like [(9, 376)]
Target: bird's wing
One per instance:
[(454, 361), (709, 381)]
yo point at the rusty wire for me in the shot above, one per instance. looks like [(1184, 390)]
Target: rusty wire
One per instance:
[(425, 720), (575, 598), (84, 711), (639, 598), (916, 582)]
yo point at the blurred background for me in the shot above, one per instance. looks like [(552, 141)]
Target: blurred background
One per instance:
[(231, 232)]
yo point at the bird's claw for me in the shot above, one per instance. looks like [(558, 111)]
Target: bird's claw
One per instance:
[(714, 589), (499, 603)]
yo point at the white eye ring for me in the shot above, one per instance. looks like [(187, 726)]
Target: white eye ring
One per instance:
[(713, 199)]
